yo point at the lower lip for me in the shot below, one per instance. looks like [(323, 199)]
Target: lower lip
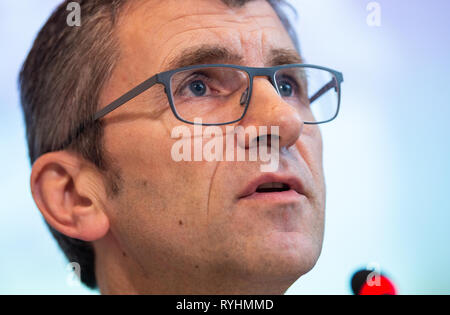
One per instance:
[(282, 196)]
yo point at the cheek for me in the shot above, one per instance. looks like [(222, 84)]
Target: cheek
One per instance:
[(161, 201), (309, 151), (310, 147), (142, 153)]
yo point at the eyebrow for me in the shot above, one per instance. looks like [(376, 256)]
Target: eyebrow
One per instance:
[(283, 56), (206, 54)]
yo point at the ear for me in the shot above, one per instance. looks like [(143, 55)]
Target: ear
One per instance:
[(70, 193)]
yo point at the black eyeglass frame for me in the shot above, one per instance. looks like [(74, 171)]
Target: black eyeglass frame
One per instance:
[(165, 77)]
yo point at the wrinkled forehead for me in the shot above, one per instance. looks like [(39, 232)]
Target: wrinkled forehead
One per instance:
[(163, 35)]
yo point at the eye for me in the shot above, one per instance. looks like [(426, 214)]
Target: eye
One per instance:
[(198, 87), (285, 87)]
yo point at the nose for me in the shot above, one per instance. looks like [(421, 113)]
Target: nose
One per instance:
[(267, 108)]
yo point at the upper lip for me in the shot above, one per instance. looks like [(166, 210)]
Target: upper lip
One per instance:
[(294, 183)]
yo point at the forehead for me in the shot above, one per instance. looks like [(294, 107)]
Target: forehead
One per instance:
[(153, 33)]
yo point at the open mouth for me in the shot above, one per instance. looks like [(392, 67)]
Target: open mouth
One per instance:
[(272, 187)]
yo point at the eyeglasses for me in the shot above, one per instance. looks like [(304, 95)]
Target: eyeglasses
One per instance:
[(220, 94)]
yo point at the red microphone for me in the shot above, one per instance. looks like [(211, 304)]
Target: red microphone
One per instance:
[(369, 282)]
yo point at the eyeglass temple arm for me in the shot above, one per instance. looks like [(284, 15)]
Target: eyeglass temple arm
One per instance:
[(323, 90), (127, 96)]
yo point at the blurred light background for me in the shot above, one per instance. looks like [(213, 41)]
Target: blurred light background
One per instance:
[(386, 156)]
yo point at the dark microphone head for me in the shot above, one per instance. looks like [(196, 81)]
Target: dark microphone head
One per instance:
[(369, 282)]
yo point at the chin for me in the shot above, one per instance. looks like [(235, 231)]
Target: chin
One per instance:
[(292, 253), (281, 256)]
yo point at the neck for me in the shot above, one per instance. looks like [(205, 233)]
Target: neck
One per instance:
[(118, 273)]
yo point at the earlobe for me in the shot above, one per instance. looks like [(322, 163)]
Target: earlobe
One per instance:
[(70, 194)]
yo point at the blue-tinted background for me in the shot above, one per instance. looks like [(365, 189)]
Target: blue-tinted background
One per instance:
[(386, 156)]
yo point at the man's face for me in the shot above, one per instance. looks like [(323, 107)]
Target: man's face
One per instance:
[(192, 218)]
